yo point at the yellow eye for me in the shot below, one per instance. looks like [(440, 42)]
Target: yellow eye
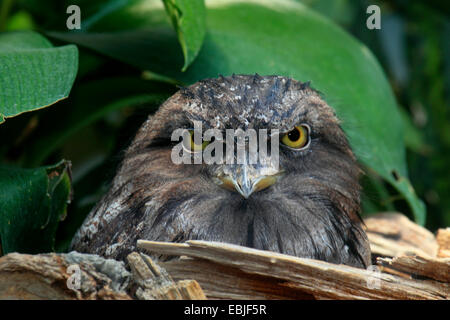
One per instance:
[(297, 138), (195, 147)]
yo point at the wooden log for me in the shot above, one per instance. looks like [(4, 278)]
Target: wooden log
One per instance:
[(48, 276), (393, 234), (224, 282), (154, 283), (418, 266), (443, 240), (319, 279)]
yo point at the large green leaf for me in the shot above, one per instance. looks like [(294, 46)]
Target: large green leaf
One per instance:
[(32, 202), (285, 38), (33, 73), (188, 18), (155, 49)]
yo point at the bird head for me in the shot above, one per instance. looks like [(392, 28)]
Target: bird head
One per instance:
[(299, 195)]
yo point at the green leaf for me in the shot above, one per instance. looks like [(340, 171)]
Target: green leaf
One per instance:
[(21, 20), (414, 138), (155, 49), (285, 38), (188, 19), (32, 202), (33, 73)]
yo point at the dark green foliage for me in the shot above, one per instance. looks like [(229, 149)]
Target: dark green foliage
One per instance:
[(32, 202), (131, 54)]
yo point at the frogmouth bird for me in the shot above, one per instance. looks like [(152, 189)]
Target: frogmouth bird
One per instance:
[(307, 205)]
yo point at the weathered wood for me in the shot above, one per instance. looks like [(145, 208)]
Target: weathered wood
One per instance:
[(223, 282), (319, 279), (418, 266), (393, 234), (154, 283), (443, 240), (46, 276)]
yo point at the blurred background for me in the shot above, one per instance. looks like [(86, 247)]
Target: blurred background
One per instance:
[(413, 46)]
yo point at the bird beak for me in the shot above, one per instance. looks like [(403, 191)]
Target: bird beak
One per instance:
[(246, 179)]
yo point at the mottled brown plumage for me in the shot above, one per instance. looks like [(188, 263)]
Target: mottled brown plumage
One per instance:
[(311, 211)]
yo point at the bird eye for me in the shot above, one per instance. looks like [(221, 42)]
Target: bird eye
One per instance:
[(192, 146), (297, 138)]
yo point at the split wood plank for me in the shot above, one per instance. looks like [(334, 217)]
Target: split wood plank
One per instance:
[(320, 279)]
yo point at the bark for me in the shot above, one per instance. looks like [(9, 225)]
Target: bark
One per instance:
[(213, 264), (53, 276)]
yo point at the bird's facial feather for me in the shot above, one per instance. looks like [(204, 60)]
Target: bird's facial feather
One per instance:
[(251, 102), (325, 170)]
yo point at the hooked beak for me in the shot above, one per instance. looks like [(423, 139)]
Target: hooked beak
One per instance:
[(247, 179)]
